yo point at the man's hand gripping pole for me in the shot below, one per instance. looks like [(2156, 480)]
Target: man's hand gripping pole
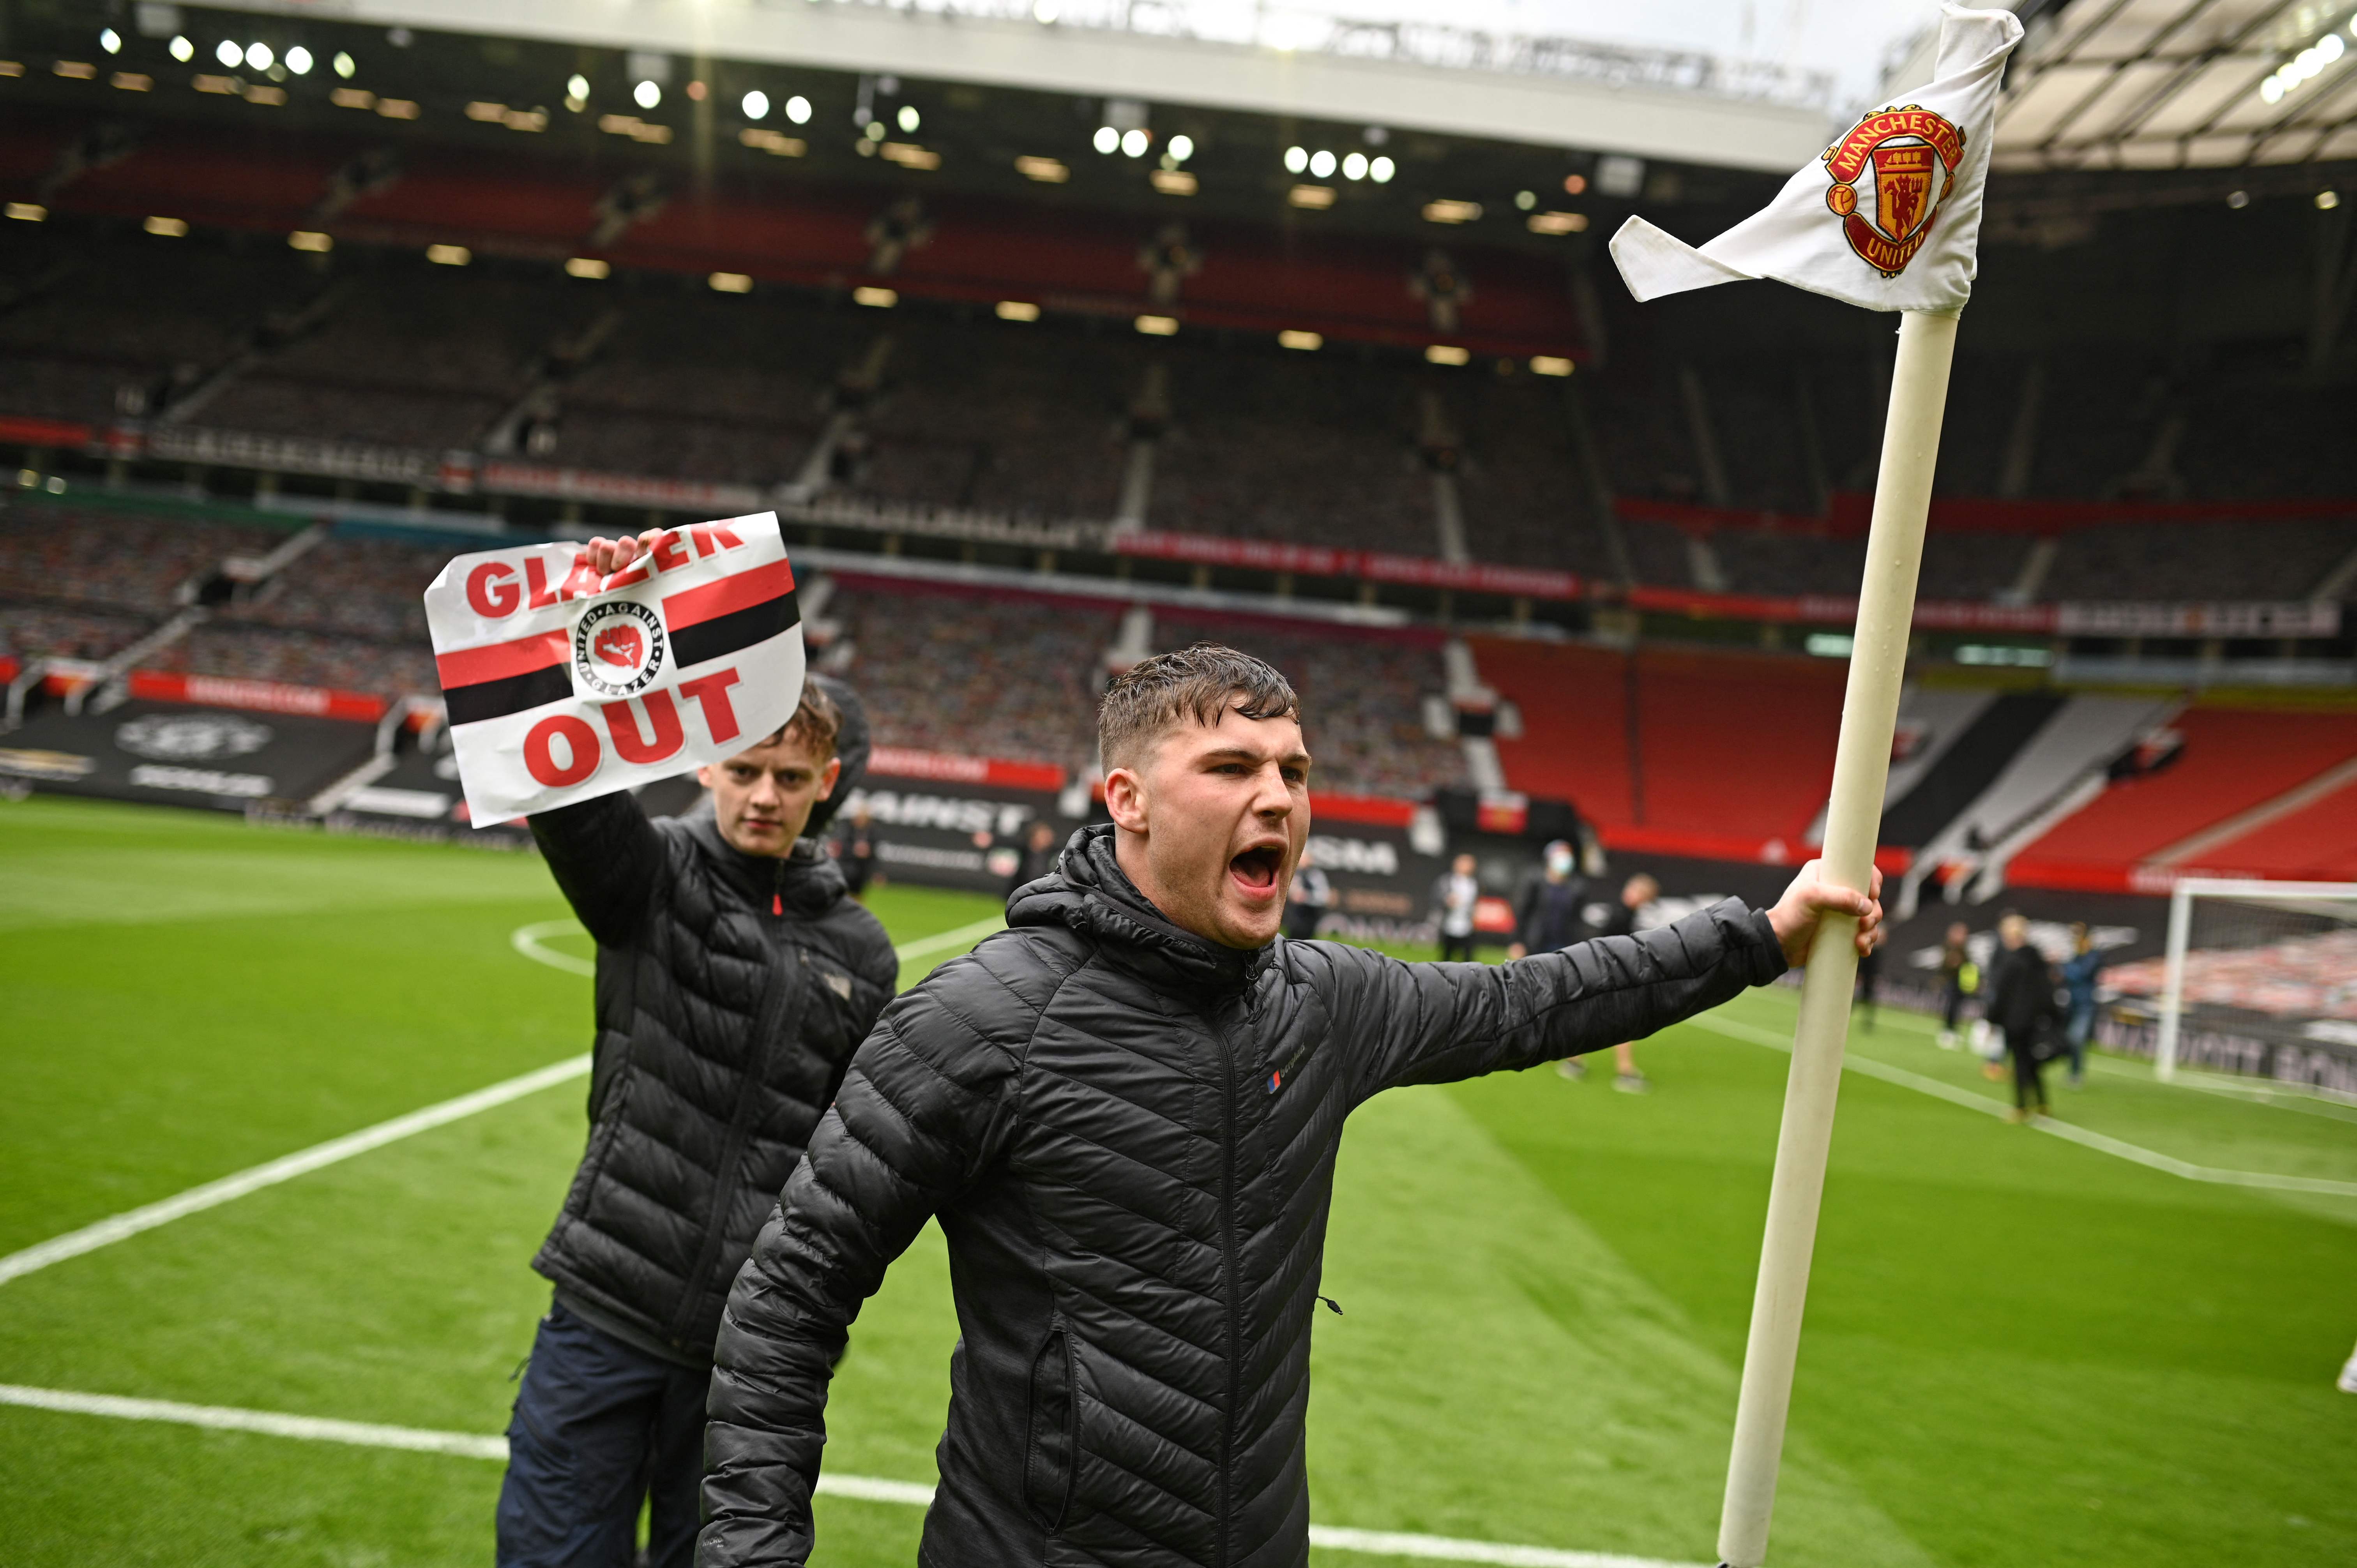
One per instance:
[(1894, 551)]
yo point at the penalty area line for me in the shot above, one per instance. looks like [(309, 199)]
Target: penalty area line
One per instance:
[(860, 1488), (532, 941), (287, 1167), (2135, 1154)]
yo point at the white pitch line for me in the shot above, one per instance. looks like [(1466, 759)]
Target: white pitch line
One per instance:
[(131, 1222), (2102, 1144), (527, 941), (533, 942), (925, 946), (863, 1488)]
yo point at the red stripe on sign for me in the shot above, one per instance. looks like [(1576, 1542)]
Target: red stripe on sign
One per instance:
[(498, 660), (741, 591)]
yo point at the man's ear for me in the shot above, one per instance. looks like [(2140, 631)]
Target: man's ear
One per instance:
[(703, 777), (828, 778), (1125, 799)]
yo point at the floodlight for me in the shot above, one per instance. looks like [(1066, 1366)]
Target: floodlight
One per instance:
[(1382, 170), (910, 119), (259, 56), (1354, 166), (181, 50), (576, 86), (1321, 163), (298, 60), (344, 66), (1106, 140), (1296, 160), (110, 40), (229, 54), (757, 105), (646, 95), (1134, 143), (1182, 146), (797, 109)]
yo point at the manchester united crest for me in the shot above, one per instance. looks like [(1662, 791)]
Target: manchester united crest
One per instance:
[(1914, 155)]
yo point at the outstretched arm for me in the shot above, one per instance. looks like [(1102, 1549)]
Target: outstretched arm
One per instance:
[(605, 857), (918, 1115), (1434, 1023)]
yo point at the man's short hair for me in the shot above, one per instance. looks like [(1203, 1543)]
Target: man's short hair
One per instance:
[(1201, 682), (817, 719)]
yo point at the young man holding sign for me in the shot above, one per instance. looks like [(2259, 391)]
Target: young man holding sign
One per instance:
[(1125, 1112), (735, 978)]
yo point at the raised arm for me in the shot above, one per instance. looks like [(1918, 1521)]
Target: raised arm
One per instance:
[(919, 1116), (1436, 1023), (605, 857)]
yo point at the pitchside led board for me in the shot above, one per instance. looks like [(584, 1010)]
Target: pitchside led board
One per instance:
[(563, 686)]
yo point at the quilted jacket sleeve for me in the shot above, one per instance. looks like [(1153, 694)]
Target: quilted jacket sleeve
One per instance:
[(1437, 1022), (605, 857), (923, 1112)]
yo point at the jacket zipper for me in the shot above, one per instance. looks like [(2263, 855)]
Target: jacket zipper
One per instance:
[(1228, 1281), (769, 1021)]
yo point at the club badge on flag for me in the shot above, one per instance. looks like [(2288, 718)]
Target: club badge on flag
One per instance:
[(560, 686), (1888, 218)]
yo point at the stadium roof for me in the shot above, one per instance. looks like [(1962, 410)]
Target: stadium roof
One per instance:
[(2171, 84), (1662, 104)]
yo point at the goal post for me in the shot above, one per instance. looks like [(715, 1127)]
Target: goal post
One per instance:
[(2268, 947)]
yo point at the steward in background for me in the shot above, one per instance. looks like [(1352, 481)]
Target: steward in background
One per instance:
[(2022, 1003), (734, 979), (1548, 908), (1125, 1110)]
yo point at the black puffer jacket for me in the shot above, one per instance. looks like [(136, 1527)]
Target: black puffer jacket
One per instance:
[(1129, 1136), (731, 991)]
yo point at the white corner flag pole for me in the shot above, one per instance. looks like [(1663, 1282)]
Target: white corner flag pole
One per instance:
[(1886, 606)]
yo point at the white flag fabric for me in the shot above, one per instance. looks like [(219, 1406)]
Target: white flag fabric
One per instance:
[(1888, 218), (562, 686)]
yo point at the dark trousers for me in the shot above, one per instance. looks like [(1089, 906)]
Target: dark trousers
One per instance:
[(2029, 1072), (1458, 948), (600, 1427), (1952, 1000)]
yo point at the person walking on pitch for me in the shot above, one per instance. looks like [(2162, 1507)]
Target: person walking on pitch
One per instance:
[(734, 979), (2021, 1006), (1125, 1112), (1455, 896), (1960, 977), (1620, 920), (2079, 975)]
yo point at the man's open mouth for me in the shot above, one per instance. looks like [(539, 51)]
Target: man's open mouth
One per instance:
[(1257, 868)]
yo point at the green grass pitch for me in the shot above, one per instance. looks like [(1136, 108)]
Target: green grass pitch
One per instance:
[(2018, 1351)]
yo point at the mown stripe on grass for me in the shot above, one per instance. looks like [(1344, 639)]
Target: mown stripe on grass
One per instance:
[(864, 1489), (532, 941), (2101, 1142), (525, 940), (212, 1194)]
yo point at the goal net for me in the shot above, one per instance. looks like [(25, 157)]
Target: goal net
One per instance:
[(2277, 959)]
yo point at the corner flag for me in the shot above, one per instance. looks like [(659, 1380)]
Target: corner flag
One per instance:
[(1887, 218)]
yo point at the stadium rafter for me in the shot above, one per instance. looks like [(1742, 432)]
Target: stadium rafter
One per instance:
[(2172, 84)]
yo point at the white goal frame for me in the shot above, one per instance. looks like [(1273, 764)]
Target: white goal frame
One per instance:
[(2180, 927)]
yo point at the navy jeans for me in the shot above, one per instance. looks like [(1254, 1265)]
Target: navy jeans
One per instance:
[(599, 1427)]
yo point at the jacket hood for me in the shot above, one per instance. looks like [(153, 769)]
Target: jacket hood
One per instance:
[(1088, 892), (851, 744), (804, 879)]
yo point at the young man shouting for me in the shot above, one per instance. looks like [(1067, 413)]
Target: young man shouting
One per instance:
[(734, 979), (1125, 1112)]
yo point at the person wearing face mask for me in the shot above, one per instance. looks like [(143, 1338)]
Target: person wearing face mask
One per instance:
[(1124, 1111), (735, 978), (1546, 913)]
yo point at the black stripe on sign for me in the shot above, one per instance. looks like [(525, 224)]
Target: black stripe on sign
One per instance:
[(725, 634), (509, 695)]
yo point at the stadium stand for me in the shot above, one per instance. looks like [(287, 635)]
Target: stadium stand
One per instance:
[(2316, 841), (1363, 697), (303, 659), (2235, 758), (29, 630), (1729, 748), (956, 673), (104, 557)]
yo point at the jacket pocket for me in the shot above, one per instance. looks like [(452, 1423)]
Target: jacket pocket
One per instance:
[(1048, 1464)]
